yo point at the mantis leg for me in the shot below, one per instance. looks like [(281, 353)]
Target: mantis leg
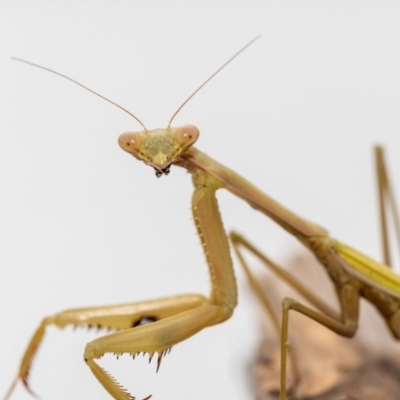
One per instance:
[(239, 241), (157, 337), (173, 319), (115, 317), (349, 299), (387, 203)]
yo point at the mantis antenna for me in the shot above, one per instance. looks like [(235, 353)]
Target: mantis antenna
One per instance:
[(124, 109), (212, 76), (80, 84)]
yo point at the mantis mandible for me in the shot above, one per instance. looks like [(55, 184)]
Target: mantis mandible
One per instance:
[(155, 326)]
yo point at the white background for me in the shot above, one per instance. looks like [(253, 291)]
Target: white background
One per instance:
[(83, 223)]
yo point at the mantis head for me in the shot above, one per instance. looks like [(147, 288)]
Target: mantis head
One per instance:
[(159, 148)]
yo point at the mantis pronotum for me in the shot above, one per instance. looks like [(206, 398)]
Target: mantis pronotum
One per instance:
[(155, 326)]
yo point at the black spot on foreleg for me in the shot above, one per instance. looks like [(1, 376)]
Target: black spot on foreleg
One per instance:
[(147, 319)]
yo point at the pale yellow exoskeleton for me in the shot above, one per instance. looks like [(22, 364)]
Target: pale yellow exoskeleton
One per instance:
[(155, 326)]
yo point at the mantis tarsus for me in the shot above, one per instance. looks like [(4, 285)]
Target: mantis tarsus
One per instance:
[(155, 326)]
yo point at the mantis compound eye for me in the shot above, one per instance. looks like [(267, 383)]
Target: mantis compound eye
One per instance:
[(187, 135), (130, 142)]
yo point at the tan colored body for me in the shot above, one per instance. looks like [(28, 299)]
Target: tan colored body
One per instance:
[(157, 325), (176, 319)]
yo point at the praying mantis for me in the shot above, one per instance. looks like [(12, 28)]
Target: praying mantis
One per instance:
[(155, 326)]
